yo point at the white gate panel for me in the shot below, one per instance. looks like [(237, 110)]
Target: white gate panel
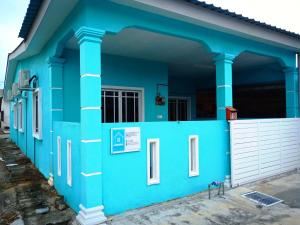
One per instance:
[(263, 148)]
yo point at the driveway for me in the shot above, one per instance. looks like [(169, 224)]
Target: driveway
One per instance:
[(232, 209)]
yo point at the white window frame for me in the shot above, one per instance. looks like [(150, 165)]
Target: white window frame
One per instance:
[(37, 134), (155, 160), (58, 142), (125, 88), (69, 163), (15, 108), (20, 116), (193, 156), (189, 100)]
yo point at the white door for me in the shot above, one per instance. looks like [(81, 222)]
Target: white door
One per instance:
[(263, 148)]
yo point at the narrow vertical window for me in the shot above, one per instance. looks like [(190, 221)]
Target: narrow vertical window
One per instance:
[(69, 163), (58, 156), (193, 156), (153, 172), (20, 116), (36, 114), (15, 116)]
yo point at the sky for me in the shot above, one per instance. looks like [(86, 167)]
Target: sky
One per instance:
[(283, 14)]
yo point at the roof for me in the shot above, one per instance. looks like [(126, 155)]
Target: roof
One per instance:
[(32, 11), (35, 5), (226, 12)]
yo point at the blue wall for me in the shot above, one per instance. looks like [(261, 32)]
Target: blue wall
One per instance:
[(125, 175), (118, 71), (68, 131), (35, 149), (123, 71)]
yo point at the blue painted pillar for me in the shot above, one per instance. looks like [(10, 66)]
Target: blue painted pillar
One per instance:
[(55, 66), (91, 207), (223, 64), (292, 92)]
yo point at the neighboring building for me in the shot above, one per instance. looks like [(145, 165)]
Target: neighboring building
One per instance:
[(122, 104), (4, 110)]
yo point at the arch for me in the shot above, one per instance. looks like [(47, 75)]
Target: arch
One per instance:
[(168, 33), (281, 60), (62, 43)]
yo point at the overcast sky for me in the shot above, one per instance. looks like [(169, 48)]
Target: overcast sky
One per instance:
[(284, 14)]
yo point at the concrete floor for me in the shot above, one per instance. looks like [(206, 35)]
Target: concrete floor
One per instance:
[(233, 209)]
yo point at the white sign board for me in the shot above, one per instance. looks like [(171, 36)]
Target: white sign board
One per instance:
[(125, 140)]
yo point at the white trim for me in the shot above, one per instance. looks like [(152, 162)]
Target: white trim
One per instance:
[(37, 134), (126, 88), (193, 156), (91, 108), (58, 142), (155, 160), (90, 75), (224, 86), (15, 114), (69, 163), (21, 116), (91, 174), (91, 141), (91, 216)]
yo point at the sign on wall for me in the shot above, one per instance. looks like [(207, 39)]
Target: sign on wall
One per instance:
[(125, 139)]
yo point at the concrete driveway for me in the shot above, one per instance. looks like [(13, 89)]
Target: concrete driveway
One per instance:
[(233, 209)]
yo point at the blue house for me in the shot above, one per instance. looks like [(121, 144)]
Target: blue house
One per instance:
[(122, 103)]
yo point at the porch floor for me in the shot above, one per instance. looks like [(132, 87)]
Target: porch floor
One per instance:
[(233, 209)]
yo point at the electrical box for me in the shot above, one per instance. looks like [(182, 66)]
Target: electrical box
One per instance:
[(159, 100), (23, 79), (231, 113)]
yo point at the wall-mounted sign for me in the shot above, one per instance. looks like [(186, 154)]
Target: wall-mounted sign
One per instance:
[(125, 139)]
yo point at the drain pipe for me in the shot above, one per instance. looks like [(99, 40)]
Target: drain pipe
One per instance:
[(298, 66)]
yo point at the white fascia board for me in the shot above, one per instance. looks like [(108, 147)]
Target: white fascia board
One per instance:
[(185, 11)]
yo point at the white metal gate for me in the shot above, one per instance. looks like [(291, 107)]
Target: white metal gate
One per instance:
[(263, 148)]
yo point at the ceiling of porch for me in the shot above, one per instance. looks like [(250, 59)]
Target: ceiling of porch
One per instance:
[(184, 57)]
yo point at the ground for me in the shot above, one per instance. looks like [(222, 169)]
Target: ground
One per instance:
[(232, 209), (25, 196), (23, 190)]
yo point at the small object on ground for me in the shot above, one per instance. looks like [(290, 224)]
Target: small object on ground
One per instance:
[(12, 164), (261, 198), (219, 185), (60, 204), (42, 210), (1, 159)]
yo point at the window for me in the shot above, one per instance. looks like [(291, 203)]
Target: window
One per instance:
[(120, 105), (153, 173), (20, 116), (36, 114), (69, 163), (58, 155), (193, 156), (179, 109), (15, 116)]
